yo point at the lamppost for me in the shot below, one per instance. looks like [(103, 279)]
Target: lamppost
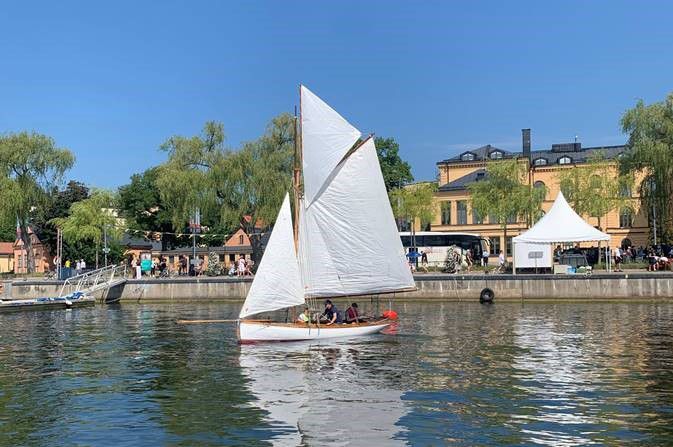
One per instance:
[(106, 250)]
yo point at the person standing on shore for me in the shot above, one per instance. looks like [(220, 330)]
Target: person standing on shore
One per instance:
[(82, 265), (484, 257)]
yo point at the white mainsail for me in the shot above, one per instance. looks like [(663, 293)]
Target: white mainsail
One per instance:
[(277, 284), (326, 138), (349, 243)]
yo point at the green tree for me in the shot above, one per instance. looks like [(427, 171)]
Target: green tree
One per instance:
[(414, 202), (141, 205), (505, 194), (396, 172), (58, 205), (251, 183), (239, 188), (7, 229), (30, 166), (89, 220), (594, 188), (650, 129)]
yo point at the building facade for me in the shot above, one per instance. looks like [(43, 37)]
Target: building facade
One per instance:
[(626, 226)]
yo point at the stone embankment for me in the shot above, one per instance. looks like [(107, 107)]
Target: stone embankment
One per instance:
[(628, 286)]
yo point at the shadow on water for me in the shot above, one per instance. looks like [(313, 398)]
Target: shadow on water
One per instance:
[(449, 373)]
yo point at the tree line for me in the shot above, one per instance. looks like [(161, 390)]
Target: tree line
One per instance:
[(232, 189)]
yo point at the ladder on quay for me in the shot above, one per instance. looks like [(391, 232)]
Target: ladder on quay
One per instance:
[(93, 281)]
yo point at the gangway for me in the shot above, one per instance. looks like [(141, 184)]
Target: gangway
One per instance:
[(93, 281)]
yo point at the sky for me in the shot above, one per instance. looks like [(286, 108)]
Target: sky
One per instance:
[(111, 81)]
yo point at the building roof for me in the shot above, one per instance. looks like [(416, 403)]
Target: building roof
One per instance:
[(6, 248), (581, 156), (480, 153), (139, 243), (552, 155), (461, 182)]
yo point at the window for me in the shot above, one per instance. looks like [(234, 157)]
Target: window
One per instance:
[(240, 239), (403, 224), (468, 156), (509, 246), (496, 155), (477, 218), (625, 218), (461, 208), (494, 245), (232, 258), (222, 258), (492, 219), (538, 184), (595, 182), (540, 162), (446, 213), (565, 160), (511, 219), (425, 226)]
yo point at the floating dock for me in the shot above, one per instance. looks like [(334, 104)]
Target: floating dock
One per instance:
[(45, 303)]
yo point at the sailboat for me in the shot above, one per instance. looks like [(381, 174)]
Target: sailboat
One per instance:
[(343, 241)]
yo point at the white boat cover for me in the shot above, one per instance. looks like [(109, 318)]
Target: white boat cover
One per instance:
[(277, 284), (561, 224), (349, 243), (326, 138)]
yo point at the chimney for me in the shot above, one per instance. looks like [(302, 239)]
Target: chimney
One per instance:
[(525, 137)]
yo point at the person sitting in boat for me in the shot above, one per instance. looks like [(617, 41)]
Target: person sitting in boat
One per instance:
[(331, 314), (352, 315), (305, 316)]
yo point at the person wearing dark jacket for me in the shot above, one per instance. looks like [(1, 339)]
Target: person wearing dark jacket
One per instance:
[(332, 314)]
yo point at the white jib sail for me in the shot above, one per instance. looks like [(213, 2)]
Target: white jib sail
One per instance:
[(326, 138), (349, 243), (277, 284)]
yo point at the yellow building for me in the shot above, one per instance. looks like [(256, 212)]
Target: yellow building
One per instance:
[(628, 226), (6, 257)]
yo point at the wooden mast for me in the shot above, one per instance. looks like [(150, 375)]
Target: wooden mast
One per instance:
[(297, 173)]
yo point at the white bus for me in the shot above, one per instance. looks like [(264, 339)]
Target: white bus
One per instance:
[(436, 243)]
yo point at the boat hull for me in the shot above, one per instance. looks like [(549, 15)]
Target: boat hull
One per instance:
[(255, 332)]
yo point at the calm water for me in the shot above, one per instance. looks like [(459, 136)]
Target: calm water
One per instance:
[(449, 374)]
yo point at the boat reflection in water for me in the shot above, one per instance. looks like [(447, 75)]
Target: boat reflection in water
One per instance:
[(323, 392)]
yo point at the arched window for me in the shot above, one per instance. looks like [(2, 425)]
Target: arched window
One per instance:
[(468, 156), (495, 155), (625, 217), (565, 160), (540, 162), (626, 243), (539, 184)]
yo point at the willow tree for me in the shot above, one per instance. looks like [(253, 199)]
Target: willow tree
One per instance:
[(90, 220), (594, 188), (251, 183), (505, 194), (240, 188), (30, 166), (650, 129), (413, 203)]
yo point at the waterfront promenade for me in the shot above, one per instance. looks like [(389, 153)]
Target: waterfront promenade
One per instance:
[(628, 285)]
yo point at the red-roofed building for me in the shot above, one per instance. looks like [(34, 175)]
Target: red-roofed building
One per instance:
[(43, 259)]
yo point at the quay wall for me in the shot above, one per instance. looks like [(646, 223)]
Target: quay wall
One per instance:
[(634, 286)]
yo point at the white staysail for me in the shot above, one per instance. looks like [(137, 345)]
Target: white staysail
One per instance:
[(277, 284), (349, 243), (326, 138)]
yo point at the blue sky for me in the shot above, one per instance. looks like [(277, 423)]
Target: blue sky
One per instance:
[(111, 81)]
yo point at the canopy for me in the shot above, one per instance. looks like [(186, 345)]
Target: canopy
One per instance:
[(561, 224)]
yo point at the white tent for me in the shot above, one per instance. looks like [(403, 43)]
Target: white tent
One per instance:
[(560, 224)]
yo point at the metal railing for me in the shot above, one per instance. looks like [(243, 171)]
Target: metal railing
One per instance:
[(94, 280)]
